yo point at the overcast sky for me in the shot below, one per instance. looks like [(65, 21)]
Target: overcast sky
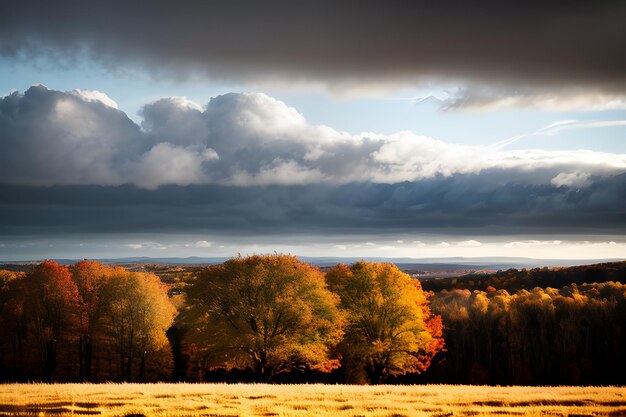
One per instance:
[(324, 128)]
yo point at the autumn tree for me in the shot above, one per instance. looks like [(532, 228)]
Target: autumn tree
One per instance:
[(390, 328), (50, 302), (12, 326), (270, 313), (89, 277), (136, 313)]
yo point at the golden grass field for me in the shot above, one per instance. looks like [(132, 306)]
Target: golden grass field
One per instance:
[(245, 400)]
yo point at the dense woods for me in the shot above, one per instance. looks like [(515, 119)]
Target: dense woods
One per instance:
[(526, 279), (251, 318), (87, 322), (573, 335), (274, 318)]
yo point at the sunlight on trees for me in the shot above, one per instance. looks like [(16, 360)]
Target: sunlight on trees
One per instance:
[(136, 315), (271, 313), (50, 303), (89, 277), (550, 336), (63, 323), (274, 318), (390, 328)]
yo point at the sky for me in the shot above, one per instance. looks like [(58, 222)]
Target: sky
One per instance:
[(355, 128)]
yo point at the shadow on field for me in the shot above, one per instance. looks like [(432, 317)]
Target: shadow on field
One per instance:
[(570, 403), (49, 408)]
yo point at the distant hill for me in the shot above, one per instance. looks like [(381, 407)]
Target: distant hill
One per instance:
[(517, 279), (437, 274), (411, 265)]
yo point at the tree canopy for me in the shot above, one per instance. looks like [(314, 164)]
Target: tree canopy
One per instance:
[(136, 316), (89, 277), (274, 315), (50, 302), (270, 313), (570, 335), (390, 328)]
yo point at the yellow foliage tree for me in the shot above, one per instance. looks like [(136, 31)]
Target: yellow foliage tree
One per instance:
[(269, 313), (137, 313), (390, 328)]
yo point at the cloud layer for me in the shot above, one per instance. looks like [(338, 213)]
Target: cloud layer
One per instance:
[(460, 205), (246, 164), (50, 137), (525, 53)]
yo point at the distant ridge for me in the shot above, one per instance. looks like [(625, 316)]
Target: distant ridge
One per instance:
[(425, 264)]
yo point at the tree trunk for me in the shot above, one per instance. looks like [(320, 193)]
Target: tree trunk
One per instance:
[(122, 366), (88, 358), (261, 370), (142, 367), (51, 359), (15, 357), (81, 346), (376, 372), (129, 369)]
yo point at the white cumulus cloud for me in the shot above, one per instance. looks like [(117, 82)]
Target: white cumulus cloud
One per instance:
[(95, 96), (50, 137), (469, 244), (169, 164), (572, 179), (199, 244)]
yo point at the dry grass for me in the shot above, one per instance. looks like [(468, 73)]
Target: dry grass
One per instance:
[(251, 400)]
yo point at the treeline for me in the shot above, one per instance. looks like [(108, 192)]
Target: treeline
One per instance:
[(573, 335), (274, 318), (518, 279), (265, 317)]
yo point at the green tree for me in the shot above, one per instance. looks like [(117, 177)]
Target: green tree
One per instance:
[(269, 313), (390, 328)]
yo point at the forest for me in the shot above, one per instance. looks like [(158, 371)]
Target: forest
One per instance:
[(277, 319), (572, 335), (526, 279)]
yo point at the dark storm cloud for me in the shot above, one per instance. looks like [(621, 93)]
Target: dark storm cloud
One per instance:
[(575, 45), (457, 205)]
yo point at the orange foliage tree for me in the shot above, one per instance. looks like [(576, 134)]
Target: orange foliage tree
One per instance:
[(50, 303), (12, 328), (89, 277), (61, 323)]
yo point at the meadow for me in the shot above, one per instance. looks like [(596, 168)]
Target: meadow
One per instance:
[(251, 400)]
